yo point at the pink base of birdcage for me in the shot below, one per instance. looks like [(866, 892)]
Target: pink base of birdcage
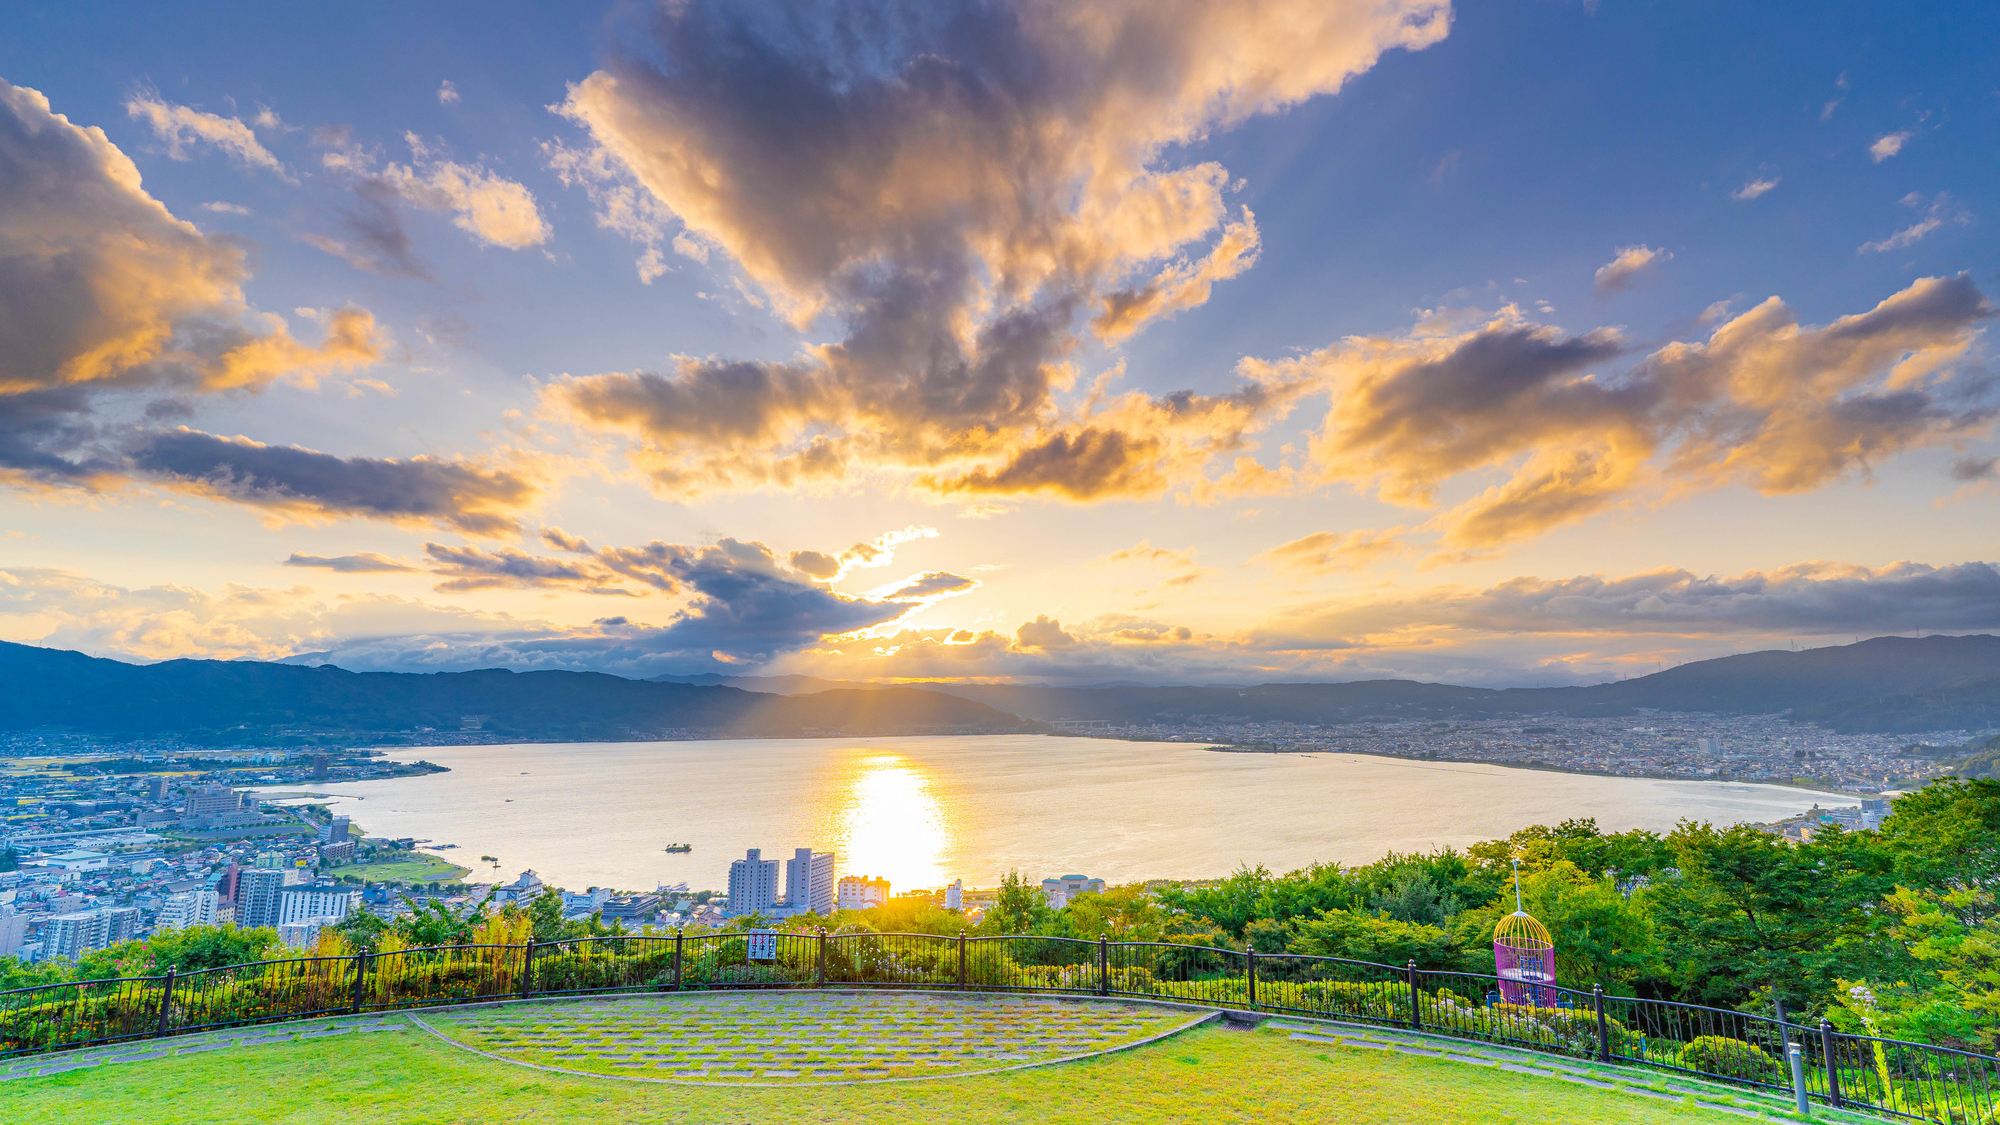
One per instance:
[(1527, 975)]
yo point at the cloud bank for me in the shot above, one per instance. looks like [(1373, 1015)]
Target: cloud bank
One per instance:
[(745, 611), (113, 305), (962, 187)]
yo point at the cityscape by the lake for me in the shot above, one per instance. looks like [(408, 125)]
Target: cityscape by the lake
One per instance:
[(650, 831)]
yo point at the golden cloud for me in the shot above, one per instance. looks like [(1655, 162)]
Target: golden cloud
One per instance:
[(975, 182)]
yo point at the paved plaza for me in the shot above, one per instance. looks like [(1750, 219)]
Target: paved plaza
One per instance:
[(200, 1043), (799, 1037)]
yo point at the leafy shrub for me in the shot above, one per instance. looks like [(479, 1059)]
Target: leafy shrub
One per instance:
[(1571, 1030), (1728, 1058)]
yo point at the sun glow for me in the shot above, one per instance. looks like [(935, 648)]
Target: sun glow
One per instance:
[(889, 822)]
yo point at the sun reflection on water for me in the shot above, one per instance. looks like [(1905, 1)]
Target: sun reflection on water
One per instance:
[(889, 823)]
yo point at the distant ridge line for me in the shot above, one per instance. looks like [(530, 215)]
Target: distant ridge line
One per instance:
[(1889, 684)]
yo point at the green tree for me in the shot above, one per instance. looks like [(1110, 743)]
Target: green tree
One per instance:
[(183, 950), (546, 912), (1579, 842), (1127, 913), (1947, 833), (1369, 937), (1019, 908), (1950, 993), (1253, 892), (1601, 937), (431, 922), (1749, 913), (362, 929), (1414, 897), (16, 973)]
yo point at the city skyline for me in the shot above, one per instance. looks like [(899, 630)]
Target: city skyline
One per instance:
[(1079, 343)]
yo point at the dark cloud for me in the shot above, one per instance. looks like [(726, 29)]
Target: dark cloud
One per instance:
[(469, 568), (1970, 469), (459, 494), (563, 541), (1817, 599), (366, 562), (44, 435), (376, 239), (744, 610), (931, 585), (1084, 465)]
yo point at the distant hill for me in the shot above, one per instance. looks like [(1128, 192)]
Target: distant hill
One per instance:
[(1892, 684), (1888, 684), (232, 702)]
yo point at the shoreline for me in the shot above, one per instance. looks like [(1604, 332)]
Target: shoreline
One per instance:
[(1544, 767)]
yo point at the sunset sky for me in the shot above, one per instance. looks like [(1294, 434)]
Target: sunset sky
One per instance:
[(1500, 343)]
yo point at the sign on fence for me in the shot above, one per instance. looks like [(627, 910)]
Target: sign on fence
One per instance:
[(763, 944)]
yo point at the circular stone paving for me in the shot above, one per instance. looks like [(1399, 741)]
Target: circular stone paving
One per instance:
[(802, 1037)]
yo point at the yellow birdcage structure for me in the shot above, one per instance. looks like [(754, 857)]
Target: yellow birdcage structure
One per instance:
[(1524, 955)]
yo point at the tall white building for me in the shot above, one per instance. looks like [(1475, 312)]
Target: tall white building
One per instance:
[(189, 908), (316, 901), (257, 890), (954, 895), (78, 932), (13, 931), (809, 883), (859, 892), (753, 883)]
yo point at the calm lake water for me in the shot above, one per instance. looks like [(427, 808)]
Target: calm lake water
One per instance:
[(924, 811)]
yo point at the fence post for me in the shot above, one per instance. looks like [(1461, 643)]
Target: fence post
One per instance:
[(1103, 967), (360, 976), (678, 934), (1603, 1025), (1832, 1065), (528, 971), (1797, 1058), (822, 956), (961, 959), (1416, 1012), (166, 1001), (1250, 974)]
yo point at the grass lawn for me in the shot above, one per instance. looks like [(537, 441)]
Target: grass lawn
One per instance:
[(1207, 1075), (417, 868)]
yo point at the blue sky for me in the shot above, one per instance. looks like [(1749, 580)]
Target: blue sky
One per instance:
[(1459, 182)]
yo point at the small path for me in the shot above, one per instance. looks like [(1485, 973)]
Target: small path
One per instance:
[(141, 1050), (802, 1038), (1644, 1081)]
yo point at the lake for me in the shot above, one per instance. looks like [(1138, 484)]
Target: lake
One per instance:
[(924, 811)]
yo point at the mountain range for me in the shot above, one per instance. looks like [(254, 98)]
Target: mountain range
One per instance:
[(1885, 684), (1891, 684), (231, 702)]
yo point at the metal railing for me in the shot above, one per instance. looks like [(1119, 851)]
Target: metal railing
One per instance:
[(1910, 1080)]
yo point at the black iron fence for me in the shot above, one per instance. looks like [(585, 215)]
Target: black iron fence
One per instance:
[(1911, 1080)]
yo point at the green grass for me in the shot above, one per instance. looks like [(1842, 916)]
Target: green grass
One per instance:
[(419, 868), (1211, 1075)]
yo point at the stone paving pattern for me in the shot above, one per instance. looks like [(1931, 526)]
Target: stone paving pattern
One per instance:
[(196, 1044), (1643, 1081), (816, 1037)]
